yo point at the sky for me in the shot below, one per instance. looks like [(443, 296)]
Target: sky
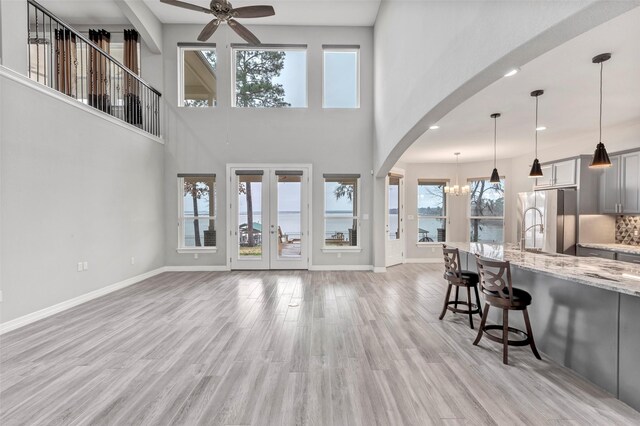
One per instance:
[(340, 79)]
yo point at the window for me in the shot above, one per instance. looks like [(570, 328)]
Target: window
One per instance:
[(432, 211), (341, 82), (486, 211), (270, 77), (198, 79), (197, 214), (341, 211)]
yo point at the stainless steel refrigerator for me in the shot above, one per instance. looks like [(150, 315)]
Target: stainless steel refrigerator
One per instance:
[(548, 220)]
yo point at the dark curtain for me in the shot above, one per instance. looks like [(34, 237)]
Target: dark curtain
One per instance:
[(66, 62), (98, 72), (132, 107)]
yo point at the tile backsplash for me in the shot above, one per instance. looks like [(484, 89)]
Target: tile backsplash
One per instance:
[(628, 230)]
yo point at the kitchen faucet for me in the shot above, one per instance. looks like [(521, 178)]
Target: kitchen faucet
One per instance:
[(523, 235)]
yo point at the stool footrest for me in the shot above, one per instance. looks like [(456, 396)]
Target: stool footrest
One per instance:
[(475, 309), (522, 342)]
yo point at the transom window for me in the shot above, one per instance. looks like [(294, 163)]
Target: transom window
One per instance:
[(486, 211), (341, 77), (432, 211), (197, 211), (341, 210), (270, 77), (198, 80)]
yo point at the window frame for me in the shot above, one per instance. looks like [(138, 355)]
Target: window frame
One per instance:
[(334, 48), (269, 47), (445, 208), (502, 218), (182, 47), (181, 247), (334, 249)]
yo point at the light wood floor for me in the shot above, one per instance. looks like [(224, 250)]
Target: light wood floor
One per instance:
[(322, 348)]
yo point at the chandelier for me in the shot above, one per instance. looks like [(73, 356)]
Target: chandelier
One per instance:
[(456, 189)]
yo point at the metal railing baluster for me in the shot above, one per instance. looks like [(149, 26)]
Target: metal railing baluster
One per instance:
[(74, 65)]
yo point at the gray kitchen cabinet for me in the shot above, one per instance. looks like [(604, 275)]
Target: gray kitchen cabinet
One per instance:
[(630, 183), (620, 185), (631, 258), (562, 173), (610, 194), (591, 252)]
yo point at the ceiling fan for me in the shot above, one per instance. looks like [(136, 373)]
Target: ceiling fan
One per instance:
[(224, 12)]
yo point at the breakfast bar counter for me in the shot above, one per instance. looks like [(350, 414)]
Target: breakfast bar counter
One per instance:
[(585, 312)]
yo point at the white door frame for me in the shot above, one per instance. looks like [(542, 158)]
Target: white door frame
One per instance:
[(307, 248), (390, 259)]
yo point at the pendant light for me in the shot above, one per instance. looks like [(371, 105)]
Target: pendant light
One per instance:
[(495, 176), (456, 189), (600, 156), (536, 170)]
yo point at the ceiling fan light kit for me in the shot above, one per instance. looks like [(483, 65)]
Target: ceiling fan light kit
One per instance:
[(600, 156), (225, 13), (536, 170)]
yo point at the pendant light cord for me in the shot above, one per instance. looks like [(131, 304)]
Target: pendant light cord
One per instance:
[(495, 137), (537, 126), (601, 67)]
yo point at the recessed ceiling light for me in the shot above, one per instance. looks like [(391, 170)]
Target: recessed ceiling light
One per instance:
[(541, 128), (434, 127), (512, 72)]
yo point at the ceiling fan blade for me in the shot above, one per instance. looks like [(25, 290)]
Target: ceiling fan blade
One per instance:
[(253, 11), (208, 30), (186, 5), (243, 32)]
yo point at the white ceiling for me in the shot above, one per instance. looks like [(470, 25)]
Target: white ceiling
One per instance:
[(288, 12), (568, 108)]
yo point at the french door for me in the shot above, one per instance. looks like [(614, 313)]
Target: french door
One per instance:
[(394, 203), (269, 217)]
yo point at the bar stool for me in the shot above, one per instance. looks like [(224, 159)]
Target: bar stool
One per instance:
[(499, 292), (459, 278)]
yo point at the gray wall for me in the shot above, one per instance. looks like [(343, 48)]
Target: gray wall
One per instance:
[(204, 140), (75, 187)]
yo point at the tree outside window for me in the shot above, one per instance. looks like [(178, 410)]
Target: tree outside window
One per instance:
[(486, 211), (432, 219)]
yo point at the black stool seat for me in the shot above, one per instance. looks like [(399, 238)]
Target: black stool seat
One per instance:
[(471, 278), (519, 296)]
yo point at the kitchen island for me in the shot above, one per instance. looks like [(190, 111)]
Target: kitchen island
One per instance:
[(585, 312)]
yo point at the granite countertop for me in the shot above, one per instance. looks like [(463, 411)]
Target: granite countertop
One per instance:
[(607, 274), (619, 248)]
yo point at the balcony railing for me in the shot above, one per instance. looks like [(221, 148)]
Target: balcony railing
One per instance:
[(67, 61)]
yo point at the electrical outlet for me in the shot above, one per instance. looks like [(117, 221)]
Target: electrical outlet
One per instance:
[(79, 266), (339, 255), (195, 255), (1, 296), (85, 266), (133, 260)]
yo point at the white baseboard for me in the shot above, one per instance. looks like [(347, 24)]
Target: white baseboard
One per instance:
[(197, 268), (424, 260), (340, 267), (379, 269), (63, 306)]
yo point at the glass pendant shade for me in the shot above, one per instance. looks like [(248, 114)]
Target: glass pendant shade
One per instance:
[(536, 170), (495, 177), (600, 157)]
